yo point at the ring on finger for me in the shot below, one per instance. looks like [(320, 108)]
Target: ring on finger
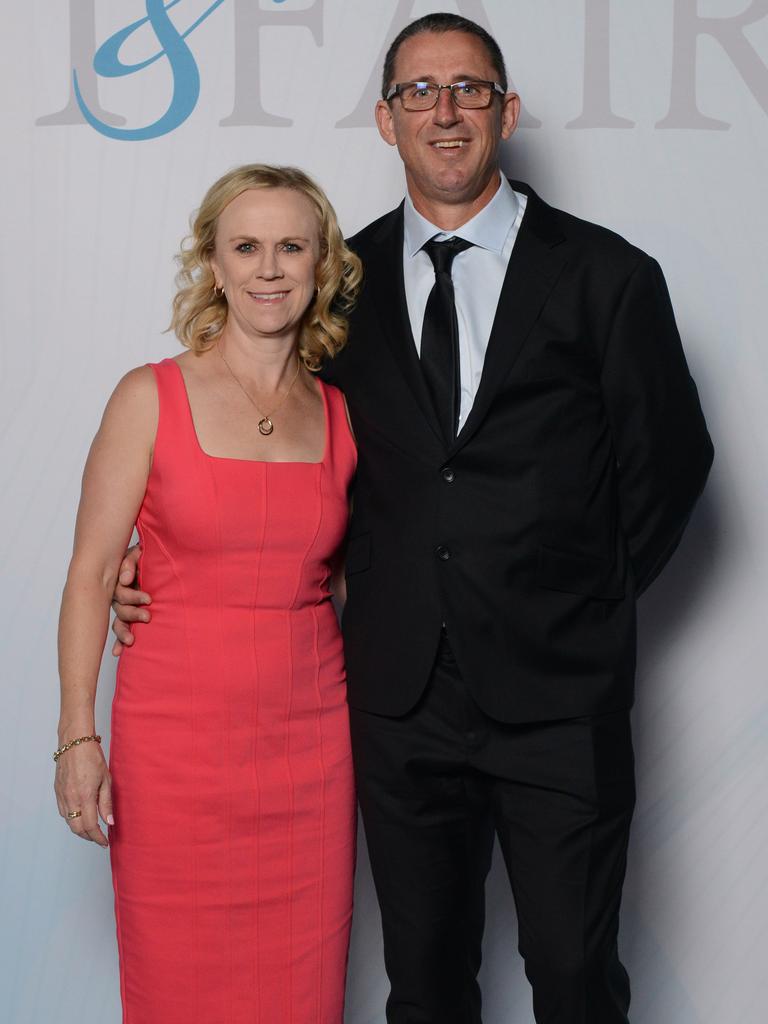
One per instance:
[(74, 814)]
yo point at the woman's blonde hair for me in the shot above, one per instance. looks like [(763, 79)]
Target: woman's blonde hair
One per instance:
[(199, 314)]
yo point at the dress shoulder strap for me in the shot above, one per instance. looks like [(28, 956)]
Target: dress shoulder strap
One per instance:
[(175, 429), (341, 447)]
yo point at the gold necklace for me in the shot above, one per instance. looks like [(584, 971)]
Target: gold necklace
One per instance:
[(266, 426)]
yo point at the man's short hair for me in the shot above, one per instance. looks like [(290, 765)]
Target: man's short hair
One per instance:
[(443, 23)]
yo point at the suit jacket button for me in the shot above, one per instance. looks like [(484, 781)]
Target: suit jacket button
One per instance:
[(447, 474), (442, 552)]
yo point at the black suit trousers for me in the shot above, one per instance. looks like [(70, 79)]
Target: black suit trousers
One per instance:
[(435, 785)]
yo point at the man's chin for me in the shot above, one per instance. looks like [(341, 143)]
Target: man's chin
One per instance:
[(446, 179), (455, 188), (450, 185)]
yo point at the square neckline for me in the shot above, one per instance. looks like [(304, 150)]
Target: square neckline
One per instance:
[(256, 462)]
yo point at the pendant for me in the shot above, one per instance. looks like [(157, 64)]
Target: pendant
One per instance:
[(266, 426)]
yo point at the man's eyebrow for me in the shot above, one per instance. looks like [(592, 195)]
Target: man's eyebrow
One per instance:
[(461, 77)]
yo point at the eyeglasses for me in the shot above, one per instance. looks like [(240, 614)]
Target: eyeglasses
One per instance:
[(472, 95)]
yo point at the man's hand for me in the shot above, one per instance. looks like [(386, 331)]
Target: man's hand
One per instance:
[(127, 601)]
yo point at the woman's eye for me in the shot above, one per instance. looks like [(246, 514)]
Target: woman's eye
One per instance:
[(291, 247), (245, 247)]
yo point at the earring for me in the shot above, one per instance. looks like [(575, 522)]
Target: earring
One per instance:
[(218, 291)]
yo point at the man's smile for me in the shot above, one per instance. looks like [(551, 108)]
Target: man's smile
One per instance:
[(449, 144)]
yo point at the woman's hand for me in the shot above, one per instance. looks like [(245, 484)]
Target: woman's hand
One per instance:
[(83, 783), (128, 603)]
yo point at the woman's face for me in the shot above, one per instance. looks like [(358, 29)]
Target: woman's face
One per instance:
[(266, 250)]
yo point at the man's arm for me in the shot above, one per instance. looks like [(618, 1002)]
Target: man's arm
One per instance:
[(663, 449)]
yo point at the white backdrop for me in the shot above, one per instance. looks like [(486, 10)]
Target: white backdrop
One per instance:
[(650, 118)]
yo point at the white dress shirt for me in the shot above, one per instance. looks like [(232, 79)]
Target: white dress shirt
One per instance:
[(478, 274)]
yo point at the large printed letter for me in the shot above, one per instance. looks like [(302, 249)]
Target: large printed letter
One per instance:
[(362, 115), (729, 32), (82, 43), (596, 110), (186, 77), (249, 21)]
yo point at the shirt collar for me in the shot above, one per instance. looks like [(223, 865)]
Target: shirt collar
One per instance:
[(488, 228)]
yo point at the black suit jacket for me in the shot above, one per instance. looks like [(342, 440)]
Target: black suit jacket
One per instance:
[(560, 500)]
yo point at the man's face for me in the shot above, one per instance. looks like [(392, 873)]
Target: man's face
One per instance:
[(437, 172)]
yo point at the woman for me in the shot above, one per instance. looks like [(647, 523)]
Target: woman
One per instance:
[(229, 794)]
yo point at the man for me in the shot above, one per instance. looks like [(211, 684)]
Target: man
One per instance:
[(530, 449)]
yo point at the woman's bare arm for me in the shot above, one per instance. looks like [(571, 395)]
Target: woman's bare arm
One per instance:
[(114, 482)]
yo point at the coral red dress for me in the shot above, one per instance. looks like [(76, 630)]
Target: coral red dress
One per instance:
[(233, 847)]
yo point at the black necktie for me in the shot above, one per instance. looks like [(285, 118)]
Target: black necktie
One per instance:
[(440, 336)]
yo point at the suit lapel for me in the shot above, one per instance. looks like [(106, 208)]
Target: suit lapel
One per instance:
[(534, 267), (384, 278)]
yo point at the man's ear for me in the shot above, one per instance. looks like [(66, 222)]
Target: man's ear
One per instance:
[(510, 113), (385, 122)]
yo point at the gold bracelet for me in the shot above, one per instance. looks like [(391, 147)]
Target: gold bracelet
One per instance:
[(74, 743)]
